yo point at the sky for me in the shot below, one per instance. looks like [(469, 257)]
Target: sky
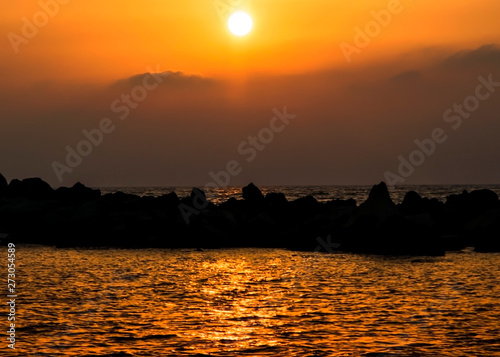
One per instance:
[(320, 92)]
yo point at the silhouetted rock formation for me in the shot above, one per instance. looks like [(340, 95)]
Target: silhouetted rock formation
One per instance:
[(3, 186), (377, 226), (77, 194), (31, 188), (32, 212), (252, 195)]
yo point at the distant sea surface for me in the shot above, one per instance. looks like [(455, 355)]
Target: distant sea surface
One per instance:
[(321, 193), (253, 302)]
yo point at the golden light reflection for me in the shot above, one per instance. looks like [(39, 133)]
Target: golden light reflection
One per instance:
[(257, 302)]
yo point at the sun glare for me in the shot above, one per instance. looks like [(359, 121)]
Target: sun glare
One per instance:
[(240, 23)]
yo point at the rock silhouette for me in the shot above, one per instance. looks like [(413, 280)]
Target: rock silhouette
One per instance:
[(32, 212)]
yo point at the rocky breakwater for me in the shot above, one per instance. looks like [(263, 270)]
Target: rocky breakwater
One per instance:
[(31, 211)]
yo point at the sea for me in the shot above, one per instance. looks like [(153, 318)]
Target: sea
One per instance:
[(254, 302), (321, 193)]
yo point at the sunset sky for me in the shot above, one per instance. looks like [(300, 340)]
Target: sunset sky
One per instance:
[(65, 63)]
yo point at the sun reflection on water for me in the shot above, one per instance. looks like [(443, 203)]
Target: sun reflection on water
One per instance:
[(250, 302)]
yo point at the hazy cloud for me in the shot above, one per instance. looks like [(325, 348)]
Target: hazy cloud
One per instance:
[(485, 55), (407, 76), (351, 125), (168, 78)]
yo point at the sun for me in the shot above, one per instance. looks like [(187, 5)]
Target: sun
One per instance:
[(240, 23)]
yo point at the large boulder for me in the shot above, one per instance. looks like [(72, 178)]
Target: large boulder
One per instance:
[(473, 202), (484, 199), (276, 199), (305, 208), (77, 194), (199, 198), (170, 200), (252, 194), (484, 231), (3, 186), (215, 228), (379, 202), (377, 227), (121, 200), (412, 203), (22, 218), (464, 208), (376, 209), (31, 188), (415, 205)]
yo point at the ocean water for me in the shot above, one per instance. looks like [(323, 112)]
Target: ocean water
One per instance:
[(254, 302), (321, 193)]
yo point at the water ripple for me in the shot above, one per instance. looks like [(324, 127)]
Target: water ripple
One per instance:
[(255, 302)]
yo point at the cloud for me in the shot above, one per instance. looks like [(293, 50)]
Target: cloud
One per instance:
[(407, 76), (351, 126), (485, 55), (167, 78)]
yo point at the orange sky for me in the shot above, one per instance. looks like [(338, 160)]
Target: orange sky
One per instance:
[(104, 40), (356, 118)]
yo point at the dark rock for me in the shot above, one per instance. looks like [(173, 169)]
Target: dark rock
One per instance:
[(198, 199), (342, 203), (376, 227), (276, 199), (422, 219), (79, 216), (215, 228), (379, 202), (483, 199), (130, 228), (396, 235), (453, 242), (198, 195), (233, 205), (31, 188), (170, 200), (413, 203), (91, 212), (119, 199), (77, 194), (483, 232), (22, 217), (488, 245), (476, 201), (305, 204), (378, 206), (252, 194), (3, 186)]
